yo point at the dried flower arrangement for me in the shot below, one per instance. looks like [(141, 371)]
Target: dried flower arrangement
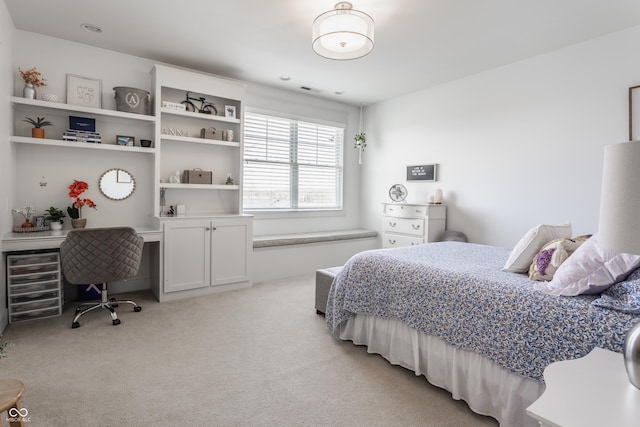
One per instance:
[(32, 76)]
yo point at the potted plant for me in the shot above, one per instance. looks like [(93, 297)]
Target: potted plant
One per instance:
[(75, 210), (55, 216), (38, 124)]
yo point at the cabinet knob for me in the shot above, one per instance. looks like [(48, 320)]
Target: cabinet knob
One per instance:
[(393, 242), (415, 226), (392, 224), (207, 229)]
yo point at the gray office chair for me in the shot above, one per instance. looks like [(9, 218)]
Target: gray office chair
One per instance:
[(101, 255)]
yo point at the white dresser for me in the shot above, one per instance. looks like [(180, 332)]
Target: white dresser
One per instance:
[(407, 224)]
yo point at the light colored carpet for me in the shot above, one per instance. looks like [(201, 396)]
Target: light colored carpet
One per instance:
[(255, 357)]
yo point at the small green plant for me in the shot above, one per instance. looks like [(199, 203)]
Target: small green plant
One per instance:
[(361, 141), (38, 123), (3, 346), (55, 215)]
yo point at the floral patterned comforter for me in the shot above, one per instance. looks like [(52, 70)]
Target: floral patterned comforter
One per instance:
[(457, 291)]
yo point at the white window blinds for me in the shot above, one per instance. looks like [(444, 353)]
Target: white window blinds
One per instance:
[(291, 164)]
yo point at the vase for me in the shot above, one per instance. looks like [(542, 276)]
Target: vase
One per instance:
[(78, 222), (29, 91), (27, 224), (632, 354), (37, 132)]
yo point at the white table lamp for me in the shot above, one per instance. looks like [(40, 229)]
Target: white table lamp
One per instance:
[(619, 227)]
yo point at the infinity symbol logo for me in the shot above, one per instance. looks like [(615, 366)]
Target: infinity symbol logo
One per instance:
[(15, 413)]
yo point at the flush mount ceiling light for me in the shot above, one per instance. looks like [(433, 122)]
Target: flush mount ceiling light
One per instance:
[(91, 28), (343, 33)]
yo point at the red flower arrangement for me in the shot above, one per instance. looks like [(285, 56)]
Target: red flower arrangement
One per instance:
[(32, 76), (75, 190)]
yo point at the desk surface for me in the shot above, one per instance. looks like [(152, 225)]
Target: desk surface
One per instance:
[(592, 391), (12, 242)]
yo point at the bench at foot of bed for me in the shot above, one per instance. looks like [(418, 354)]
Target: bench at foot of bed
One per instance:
[(324, 279)]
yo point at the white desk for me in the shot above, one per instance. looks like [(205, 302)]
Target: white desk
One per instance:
[(12, 242), (593, 391), (153, 237)]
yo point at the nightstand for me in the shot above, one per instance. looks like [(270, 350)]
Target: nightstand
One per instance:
[(591, 391), (407, 224)]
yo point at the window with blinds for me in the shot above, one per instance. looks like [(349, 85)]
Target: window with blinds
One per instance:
[(291, 164)]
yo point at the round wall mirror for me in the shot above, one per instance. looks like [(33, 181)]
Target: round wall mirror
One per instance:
[(117, 184)]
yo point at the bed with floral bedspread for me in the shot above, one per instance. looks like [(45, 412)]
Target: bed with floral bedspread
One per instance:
[(457, 292)]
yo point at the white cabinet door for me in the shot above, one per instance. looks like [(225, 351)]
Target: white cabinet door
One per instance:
[(187, 255), (230, 246)]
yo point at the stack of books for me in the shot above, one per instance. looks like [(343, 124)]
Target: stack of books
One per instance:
[(81, 136)]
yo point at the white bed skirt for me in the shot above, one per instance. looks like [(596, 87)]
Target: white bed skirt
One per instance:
[(487, 388)]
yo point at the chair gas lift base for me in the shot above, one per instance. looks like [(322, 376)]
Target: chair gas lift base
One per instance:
[(106, 303)]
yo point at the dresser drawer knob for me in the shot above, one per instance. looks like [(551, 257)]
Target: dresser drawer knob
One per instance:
[(392, 224), (415, 226), (393, 242)]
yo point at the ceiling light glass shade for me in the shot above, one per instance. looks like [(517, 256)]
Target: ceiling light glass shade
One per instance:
[(343, 33), (619, 225)]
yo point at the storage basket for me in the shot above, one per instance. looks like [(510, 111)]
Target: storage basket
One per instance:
[(132, 100)]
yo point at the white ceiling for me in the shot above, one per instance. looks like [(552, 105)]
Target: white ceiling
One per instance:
[(418, 43)]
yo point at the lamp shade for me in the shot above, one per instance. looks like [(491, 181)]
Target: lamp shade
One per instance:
[(343, 33), (619, 227)]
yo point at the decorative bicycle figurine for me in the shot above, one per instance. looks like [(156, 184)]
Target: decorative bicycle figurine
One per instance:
[(205, 106)]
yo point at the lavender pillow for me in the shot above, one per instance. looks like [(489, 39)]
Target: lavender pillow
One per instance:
[(590, 270), (552, 255)]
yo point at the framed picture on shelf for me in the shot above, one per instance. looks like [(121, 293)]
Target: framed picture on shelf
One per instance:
[(125, 140), (230, 111), (38, 221), (84, 91)]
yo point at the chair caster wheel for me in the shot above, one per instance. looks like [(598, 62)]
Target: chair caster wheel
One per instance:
[(137, 308), (75, 325), (78, 310), (116, 321)]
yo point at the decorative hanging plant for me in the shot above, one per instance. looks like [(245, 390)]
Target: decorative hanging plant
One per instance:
[(361, 141)]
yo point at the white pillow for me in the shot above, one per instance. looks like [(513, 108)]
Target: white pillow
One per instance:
[(590, 270), (531, 243)]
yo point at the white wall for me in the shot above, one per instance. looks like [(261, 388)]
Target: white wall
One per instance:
[(517, 146), (55, 58), (6, 166)]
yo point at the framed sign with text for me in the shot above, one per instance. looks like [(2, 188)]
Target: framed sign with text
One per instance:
[(422, 172)]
